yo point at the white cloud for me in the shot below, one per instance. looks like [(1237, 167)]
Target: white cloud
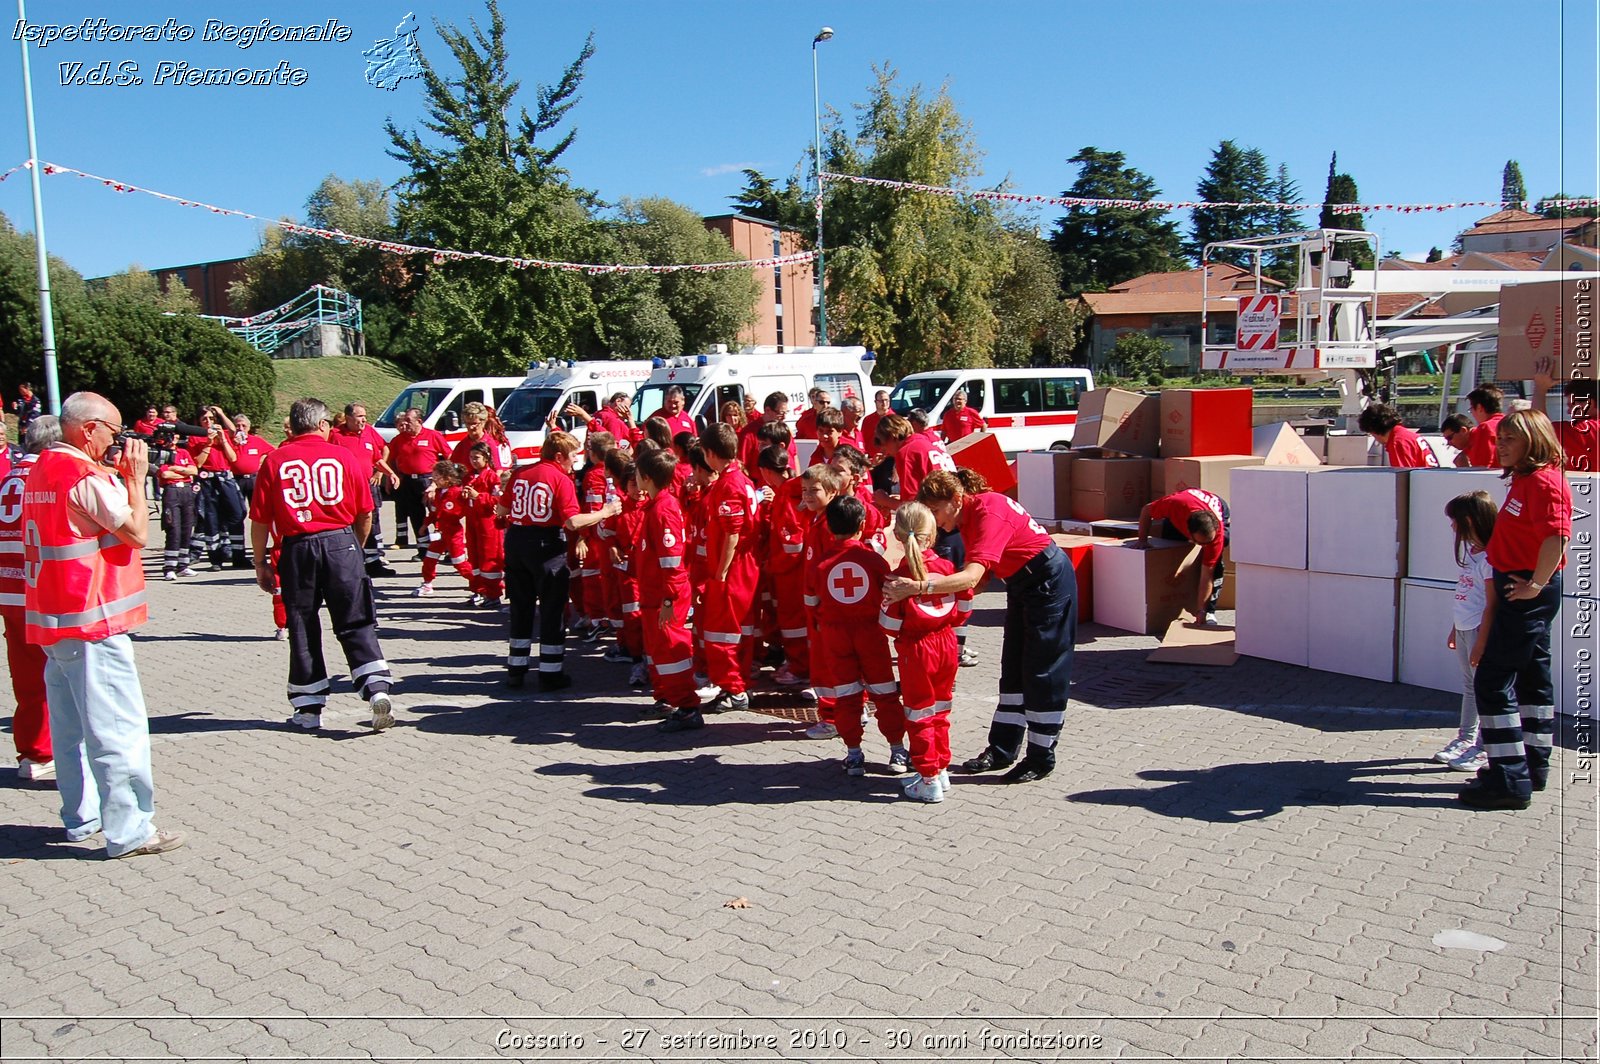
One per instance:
[(726, 168)]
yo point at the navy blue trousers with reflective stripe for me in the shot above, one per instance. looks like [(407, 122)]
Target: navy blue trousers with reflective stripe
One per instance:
[(1036, 659), (326, 568), (1516, 698), (537, 583)]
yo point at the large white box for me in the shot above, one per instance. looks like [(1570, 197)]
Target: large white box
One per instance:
[(1351, 625), (1044, 484), (1268, 512), (1356, 522), (1430, 544), (1271, 612), (1427, 608), (1136, 585)]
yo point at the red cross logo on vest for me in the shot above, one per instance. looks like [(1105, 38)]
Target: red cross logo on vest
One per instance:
[(935, 606), (32, 548), (848, 583), (11, 500)]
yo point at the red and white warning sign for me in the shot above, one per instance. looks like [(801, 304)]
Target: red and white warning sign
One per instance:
[(1258, 323)]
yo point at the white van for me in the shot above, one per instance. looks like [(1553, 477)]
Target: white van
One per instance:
[(555, 385), (1026, 409), (441, 402), (712, 379)]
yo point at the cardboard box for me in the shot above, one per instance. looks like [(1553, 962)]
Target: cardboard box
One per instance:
[(1349, 449), (1272, 613), (1121, 421), (1351, 625), (1114, 488), (1133, 589), (1268, 511), (1203, 421), (803, 450), (981, 453), (1213, 473), (1229, 599), (1548, 327), (1079, 552), (1426, 608), (1278, 444), (1356, 521), (1044, 483), (1430, 543)]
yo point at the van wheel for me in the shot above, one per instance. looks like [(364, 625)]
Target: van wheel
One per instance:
[(1061, 445)]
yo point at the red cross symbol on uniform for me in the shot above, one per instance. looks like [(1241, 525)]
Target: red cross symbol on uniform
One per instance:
[(848, 583)]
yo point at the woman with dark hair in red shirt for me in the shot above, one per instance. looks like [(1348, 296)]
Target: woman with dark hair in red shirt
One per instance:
[(1041, 615), (1516, 699)]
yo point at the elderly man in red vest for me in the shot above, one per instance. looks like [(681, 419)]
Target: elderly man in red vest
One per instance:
[(30, 725), (82, 531)]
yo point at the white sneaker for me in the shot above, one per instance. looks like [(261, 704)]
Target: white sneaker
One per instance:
[(784, 678), (855, 763), (1471, 760), (944, 779), (308, 721), (475, 600), (36, 770), (899, 761), (822, 730), (923, 789), (169, 575), (1452, 750), (187, 570), (422, 591), (708, 693), (808, 696), (280, 634), (382, 712), (966, 658)]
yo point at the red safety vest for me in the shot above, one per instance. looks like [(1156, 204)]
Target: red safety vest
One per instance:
[(12, 586), (78, 587)]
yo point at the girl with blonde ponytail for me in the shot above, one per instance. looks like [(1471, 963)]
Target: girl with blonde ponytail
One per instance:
[(923, 626)]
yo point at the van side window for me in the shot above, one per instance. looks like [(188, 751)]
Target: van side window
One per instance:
[(1061, 393), (500, 395), (974, 387), (842, 386), (1017, 395), (450, 419), (727, 393), (586, 399)]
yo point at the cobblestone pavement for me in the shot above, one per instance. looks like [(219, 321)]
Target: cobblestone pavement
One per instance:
[(1250, 862)]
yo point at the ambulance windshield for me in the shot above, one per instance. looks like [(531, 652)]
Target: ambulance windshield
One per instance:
[(916, 393), (526, 409), (653, 397)]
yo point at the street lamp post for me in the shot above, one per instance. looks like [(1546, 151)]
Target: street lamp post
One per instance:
[(47, 327), (816, 113)]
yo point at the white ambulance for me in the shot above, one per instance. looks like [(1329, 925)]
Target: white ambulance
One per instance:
[(442, 401), (711, 379), (555, 385), (1026, 409)]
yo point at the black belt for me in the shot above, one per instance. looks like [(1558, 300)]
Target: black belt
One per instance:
[(416, 476), (318, 535), (1037, 568), (206, 474)]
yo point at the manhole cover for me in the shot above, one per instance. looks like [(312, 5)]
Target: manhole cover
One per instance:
[(1120, 692), (783, 705)]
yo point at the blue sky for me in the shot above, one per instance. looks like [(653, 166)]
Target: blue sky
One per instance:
[(1424, 101)]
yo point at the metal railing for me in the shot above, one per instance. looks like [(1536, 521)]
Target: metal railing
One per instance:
[(282, 325)]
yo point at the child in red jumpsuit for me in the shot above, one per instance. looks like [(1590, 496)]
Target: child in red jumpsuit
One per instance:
[(820, 485), (620, 536), (850, 593), (786, 536), (924, 637), (728, 599), (447, 516), (664, 593), (486, 541), (588, 585)]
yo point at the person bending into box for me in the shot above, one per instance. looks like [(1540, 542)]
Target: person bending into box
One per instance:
[(1200, 517), (1404, 447)]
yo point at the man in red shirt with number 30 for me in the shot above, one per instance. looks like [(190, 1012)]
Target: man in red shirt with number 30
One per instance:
[(311, 498)]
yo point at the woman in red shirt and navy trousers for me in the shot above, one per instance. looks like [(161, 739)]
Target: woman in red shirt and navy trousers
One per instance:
[(1516, 699)]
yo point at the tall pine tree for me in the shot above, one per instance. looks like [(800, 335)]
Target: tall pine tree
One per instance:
[(1513, 193), (1234, 175), (1103, 246), (1342, 189)]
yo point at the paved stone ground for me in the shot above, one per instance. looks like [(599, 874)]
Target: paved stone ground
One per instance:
[(1241, 863)]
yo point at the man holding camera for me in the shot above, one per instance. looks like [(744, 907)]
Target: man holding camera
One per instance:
[(222, 507)]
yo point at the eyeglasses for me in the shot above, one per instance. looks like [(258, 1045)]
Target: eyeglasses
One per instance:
[(115, 432)]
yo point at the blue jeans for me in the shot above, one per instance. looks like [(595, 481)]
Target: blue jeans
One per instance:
[(100, 734)]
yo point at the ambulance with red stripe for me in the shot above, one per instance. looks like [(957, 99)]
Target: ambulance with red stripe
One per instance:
[(1027, 409), (442, 402), (556, 385), (720, 376)]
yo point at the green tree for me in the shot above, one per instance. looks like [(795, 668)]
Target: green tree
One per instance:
[(1103, 246), (1342, 189), (788, 206), (1552, 207), (1513, 192), (486, 181), (21, 342), (1139, 357), (911, 276), (1234, 175), (1034, 325), (702, 308), (1434, 255)]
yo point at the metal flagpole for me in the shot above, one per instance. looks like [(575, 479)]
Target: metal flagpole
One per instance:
[(46, 325)]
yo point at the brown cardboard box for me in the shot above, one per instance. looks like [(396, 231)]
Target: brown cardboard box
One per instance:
[(1348, 449), (1211, 473), (1133, 589), (1199, 421), (1278, 444), (1548, 327), (1110, 487), (1118, 421)]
